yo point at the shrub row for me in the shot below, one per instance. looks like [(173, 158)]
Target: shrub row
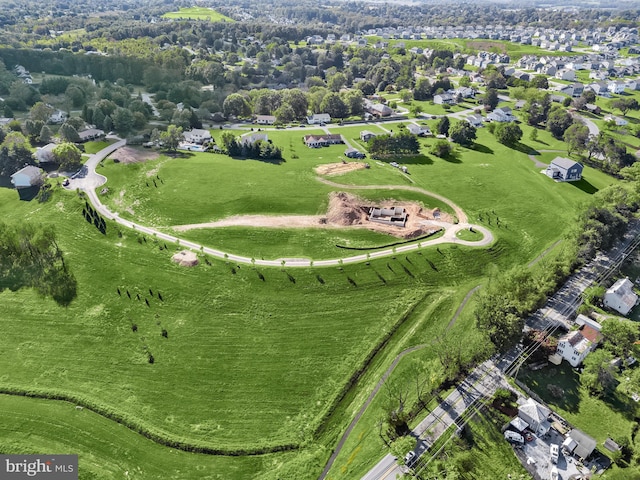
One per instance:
[(148, 432), (389, 245)]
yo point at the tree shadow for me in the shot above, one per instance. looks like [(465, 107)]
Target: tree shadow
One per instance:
[(585, 186), (621, 403), (409, 160), (478, 147), (272, 161), (453, 157), (524, 148)]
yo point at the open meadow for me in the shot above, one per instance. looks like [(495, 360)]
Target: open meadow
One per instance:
[(199, 13), (235, 360)]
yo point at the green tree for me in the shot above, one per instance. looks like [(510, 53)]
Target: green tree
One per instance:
[(443, 126), (576, 138), (508, 133), (68, 133), (536, 110), (422, 89), (285, 113), (297, 99), (558, 121), (333, 104), (463, 133), (598, 375), (171, 137), (336, 81), (624, 104), (490, 99), (441, 149), (236, 105), (619, 336), (40, 112), (45, 135), (67, 156), (123, 121), (498, 317), (401, 447)]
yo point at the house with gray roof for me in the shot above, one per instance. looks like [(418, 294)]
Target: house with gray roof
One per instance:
[(27, 177), (621, 297), (564, 170)]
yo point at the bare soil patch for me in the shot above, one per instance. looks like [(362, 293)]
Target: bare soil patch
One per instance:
[(487, 45), (133, 155), (345, 210), (339, 168), (185, 258)]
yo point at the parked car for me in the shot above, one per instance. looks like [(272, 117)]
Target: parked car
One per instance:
[(408, 458)]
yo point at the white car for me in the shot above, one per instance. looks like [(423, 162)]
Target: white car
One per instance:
[(408, 458)]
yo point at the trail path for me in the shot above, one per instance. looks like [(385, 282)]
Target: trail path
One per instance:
[(88, 180)]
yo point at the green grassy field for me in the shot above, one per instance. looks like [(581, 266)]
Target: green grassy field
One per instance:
[(257, 358), (199, 13)]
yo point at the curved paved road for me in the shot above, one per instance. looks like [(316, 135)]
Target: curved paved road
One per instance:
[(88, 180)]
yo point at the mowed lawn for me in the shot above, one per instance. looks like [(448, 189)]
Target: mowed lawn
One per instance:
[(199, 13), (247, 362), (105, 449)]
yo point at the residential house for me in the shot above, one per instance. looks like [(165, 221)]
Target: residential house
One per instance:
[(58, 117), (366, 135), (600, 88), (566, 74), (380, 110), (501, 114), (444, 99), (418, 130), (577, 344), (620, 122), (90, 134), (316, 141), (197, 135), (621, 297), (353, 153), (45, 154), (253, 138), (591, 108), (318, 118), (535, 415), (464, 92), (475, 119), (265, 119), (616, 87), (27, 177), (583, 444), (578, 89), (564, 170)]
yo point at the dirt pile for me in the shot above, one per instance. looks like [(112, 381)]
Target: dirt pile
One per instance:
[(185, 258), (339, 168), (133, 155)]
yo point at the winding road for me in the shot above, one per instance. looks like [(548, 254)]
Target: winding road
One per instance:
[(88, 180)]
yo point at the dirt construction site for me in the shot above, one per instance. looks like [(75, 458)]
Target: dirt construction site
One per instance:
[(345, 210)]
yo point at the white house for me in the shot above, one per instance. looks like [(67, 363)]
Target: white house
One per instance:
[(564, 170), (621, 297), (318, 118), (616, 86), (444, 99), (566, 74), (45, 154), (265, 119), (502, 114), (620, 122), (418, 130), (577, 344), (58, 117), (536, 416), (252, 138), (197, 135), (26, 177), (475, 119), (366, 135)]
